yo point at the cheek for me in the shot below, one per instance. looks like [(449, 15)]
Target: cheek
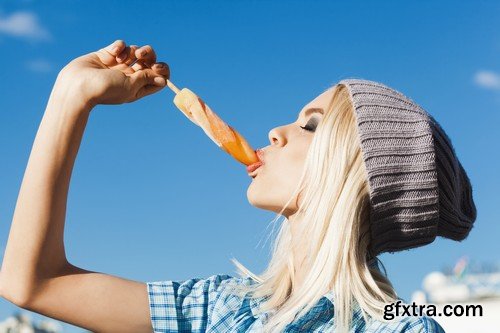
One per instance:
[(289, 165)]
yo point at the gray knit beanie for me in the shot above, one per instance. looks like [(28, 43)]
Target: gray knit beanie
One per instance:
[(418, 188)]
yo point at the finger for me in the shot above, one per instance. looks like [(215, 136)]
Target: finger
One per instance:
[(131, 56), (116, 47), (146, 54), (127, 56), (161, 68), (122, 57), (108, 54), (146, 82), (146, 77), (148, 90), (139, 65)]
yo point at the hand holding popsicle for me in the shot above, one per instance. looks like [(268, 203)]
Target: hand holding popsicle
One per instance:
[(104, 76)]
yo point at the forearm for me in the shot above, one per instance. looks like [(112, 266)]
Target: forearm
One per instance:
[(35, 247)]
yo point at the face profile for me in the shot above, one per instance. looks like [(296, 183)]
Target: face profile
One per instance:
[(283, 159)]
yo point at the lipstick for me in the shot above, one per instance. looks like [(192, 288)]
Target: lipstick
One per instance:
[(252, 167)]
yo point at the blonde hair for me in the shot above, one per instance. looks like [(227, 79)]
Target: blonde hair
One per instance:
[(334, 218)]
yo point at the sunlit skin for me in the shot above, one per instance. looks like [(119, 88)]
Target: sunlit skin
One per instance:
[(284, 161)]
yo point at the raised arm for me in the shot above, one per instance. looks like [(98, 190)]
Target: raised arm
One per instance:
[(36, 273)]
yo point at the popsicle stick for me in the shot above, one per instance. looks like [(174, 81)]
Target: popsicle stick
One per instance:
[(173, 87), (133, 62)]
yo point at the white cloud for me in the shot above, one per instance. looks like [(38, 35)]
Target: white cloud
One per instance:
[(39, 66), (23, 24), (487, 80)]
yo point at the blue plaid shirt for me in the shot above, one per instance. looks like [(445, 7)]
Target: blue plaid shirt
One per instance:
[(206, 305)]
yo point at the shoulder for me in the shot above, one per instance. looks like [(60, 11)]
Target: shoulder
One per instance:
[(189, 305), (195, 290), (194, 286)]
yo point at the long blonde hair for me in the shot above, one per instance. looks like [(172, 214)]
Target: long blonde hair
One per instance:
[(334, 219)]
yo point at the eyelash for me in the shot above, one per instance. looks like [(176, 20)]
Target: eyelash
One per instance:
[(307, 128)]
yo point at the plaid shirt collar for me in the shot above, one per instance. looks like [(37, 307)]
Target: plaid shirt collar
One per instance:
[(326, 299)]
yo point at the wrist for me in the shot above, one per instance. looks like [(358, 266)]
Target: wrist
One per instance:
[(70, 93)]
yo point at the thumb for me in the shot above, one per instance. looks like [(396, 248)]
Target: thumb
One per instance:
[(146, 82), (146, 77)]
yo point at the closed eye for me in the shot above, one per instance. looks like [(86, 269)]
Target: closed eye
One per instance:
[(311, 125), (307, 128)]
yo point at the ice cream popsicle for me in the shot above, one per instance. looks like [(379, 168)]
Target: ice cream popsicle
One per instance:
[(223, 135)]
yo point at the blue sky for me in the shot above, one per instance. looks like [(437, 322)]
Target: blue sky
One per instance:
[(152, 198)]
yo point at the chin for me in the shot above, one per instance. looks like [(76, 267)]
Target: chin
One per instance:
[(252, 197), (261, 200)]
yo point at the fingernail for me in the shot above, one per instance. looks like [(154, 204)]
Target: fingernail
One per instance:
[(160, 81), (143, 53)]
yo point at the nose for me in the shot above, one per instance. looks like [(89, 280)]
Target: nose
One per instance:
[(277, 136)]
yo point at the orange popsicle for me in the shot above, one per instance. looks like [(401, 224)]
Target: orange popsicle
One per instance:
[(223, 135)]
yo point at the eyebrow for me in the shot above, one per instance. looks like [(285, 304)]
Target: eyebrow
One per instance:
[(313, 110)]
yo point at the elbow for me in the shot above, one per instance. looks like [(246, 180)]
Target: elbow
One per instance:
[(21, 300), (24, 287), (15, 292)]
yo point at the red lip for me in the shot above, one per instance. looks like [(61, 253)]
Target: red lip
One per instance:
[(252, 167)]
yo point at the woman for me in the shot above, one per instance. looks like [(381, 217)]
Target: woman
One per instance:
[(363, 170)]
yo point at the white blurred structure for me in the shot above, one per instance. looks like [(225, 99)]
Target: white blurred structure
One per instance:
[(21, 323), (464, 286)]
